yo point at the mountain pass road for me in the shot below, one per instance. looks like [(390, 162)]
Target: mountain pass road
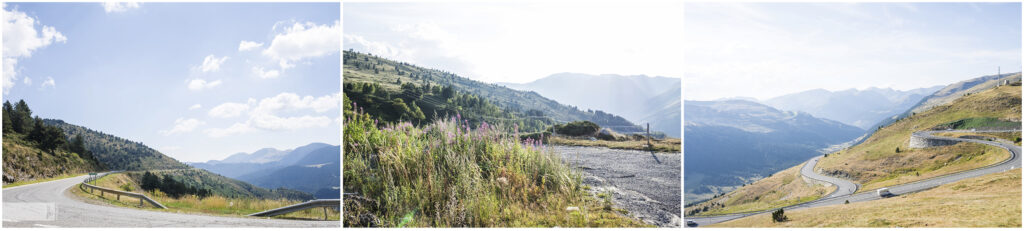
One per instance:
[(66, 210), (840, 196)]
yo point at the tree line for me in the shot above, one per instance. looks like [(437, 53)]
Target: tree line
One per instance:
[(17, 119), (171, 187)]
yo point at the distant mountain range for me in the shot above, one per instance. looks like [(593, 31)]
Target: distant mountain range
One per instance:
[(729, 143), (313, 168), (861, 108), (640, 99)]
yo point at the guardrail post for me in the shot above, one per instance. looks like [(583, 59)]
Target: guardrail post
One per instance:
[(140, 202), (118, 197), (325, 213), (101, 193)]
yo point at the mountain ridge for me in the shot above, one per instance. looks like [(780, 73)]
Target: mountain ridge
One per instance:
[(638, 98), (861, 108)]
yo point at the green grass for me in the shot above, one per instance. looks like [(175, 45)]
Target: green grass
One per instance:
[(62, 176), (445, 175), (671, 145), (980, 123), (212, 205)]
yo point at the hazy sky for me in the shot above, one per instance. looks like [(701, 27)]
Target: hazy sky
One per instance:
[(521, 42), (195, 81), (764, 50)]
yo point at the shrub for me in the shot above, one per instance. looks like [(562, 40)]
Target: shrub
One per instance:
[(779, 216), (578, 128)]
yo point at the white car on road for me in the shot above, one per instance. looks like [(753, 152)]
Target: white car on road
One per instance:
[(884, 192)]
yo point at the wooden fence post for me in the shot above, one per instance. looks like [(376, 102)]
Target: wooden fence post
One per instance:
[(649, 137)]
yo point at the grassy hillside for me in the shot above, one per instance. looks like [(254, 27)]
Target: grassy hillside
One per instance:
[(35, 152), (992, 200), (784, 188), (396, 91), (885, 159), (24, 162), (1014, 137), (116, 153), (445, 174), (215, 204)]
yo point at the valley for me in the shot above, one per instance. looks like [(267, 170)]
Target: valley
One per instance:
[(959, 141)]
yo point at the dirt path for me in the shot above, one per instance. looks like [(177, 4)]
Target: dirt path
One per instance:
[(646, 185)]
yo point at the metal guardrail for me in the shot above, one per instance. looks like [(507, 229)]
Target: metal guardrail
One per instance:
[(142, 198), (325, 203)]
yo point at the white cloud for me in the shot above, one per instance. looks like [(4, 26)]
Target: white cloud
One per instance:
[(119, 6), (265, 74), (277, 113), (49, 82), (292, 101), (304, 40), (248, 45), (19, 41), (228, 110), (182, 125), (199, 84), (237, 128), (212, 63), (195, 106), (27, 81)]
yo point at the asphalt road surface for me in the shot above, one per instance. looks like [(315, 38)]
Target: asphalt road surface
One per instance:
[(70, 211), (645, 184), (844, 187), (838, 198)]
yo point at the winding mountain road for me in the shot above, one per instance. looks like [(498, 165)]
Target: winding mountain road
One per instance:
[(840, 196), (71, 211)]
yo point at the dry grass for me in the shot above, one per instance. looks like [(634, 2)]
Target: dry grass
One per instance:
[(784, 188), (40, 180), (875, 162), (992, 200), (212, 205), (671, 145), (1013, 137)]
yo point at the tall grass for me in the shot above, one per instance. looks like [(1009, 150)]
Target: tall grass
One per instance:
[(444, 174)]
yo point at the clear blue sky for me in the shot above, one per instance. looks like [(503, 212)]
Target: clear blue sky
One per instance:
[(178, 76), (764, 50)]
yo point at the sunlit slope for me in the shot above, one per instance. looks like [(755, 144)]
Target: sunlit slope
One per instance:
[(992, 200), (784, 188), (23, 161), (885, 158)]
